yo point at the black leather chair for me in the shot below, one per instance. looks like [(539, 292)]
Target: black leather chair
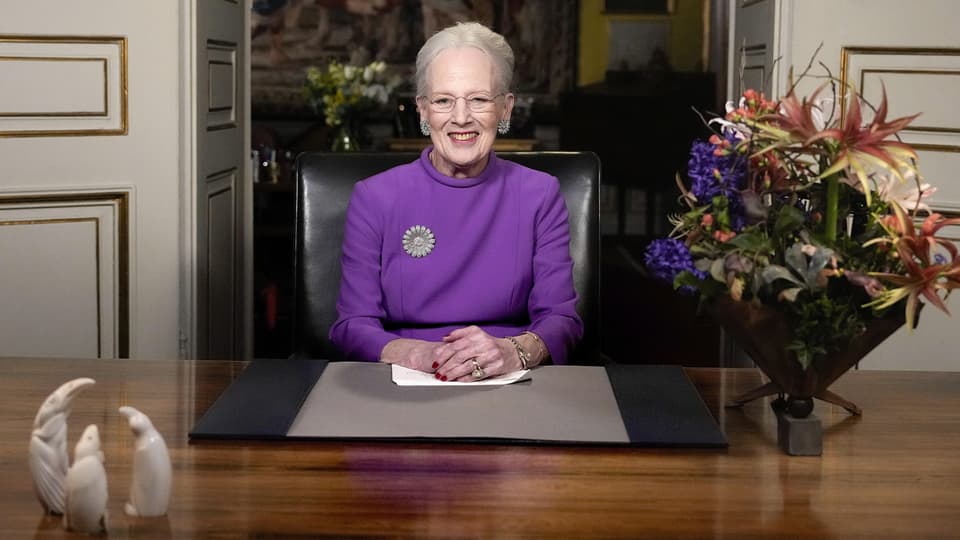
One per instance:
[(324, 184)]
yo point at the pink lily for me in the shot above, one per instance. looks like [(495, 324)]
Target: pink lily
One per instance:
[(867, 144), (922, 278)]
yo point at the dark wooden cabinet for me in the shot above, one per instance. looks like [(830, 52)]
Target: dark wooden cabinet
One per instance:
[(642, 130), (274, 210)]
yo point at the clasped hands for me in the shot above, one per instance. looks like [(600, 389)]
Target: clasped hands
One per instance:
[(457, 357)]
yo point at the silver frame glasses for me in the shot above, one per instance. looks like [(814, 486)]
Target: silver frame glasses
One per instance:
[(475, 102)]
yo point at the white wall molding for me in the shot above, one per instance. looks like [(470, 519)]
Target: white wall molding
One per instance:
[(67, 272), (62, 85)]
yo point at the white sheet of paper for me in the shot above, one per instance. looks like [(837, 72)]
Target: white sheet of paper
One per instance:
[(410, 377)]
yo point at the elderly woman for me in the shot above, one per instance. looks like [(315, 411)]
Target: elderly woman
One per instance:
[(459, 263)]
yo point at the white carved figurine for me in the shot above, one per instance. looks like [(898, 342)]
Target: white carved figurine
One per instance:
[(86, 486), (48, 444), (152, 474)]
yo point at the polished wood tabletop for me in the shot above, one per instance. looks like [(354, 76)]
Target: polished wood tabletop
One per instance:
[(892, 473)]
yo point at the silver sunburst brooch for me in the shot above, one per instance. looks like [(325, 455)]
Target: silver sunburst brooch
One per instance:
[(418, 241)]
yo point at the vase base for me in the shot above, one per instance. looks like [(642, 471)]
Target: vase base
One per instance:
[(830, 397), (799, 436), (771, 388)]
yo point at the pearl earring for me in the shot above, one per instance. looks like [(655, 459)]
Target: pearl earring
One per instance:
[(424, 128), (503, 127)]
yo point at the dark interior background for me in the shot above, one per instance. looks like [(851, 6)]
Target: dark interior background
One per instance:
[(640, 115)]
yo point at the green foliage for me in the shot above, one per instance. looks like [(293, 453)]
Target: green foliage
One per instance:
[(751, 242), (823, 324), (789, 220), (706, 287)]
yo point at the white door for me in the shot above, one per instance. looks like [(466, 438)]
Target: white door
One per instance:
[(912, 47), (89, 178), (97, 190), (753, 46), (222, 312)]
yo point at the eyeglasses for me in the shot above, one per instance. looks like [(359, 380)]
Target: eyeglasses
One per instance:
[(444, 103)]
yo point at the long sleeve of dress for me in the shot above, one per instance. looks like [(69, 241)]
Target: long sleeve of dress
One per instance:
[(358, 331), (552, 301)]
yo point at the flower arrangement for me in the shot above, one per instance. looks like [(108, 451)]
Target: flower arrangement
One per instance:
[(824, 220), (344, 91)]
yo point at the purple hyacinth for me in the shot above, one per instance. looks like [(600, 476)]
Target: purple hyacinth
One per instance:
[(667, 257), (703, 169)]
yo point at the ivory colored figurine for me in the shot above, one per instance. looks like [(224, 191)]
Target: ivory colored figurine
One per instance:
[(48, 445), (86, 486), (150, 486)]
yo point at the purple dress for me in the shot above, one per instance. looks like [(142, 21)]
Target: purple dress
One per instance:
[(501, 259)]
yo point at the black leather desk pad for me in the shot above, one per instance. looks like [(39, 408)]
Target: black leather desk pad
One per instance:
[(658, 406)]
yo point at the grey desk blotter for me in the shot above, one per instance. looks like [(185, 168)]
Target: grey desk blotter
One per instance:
[(311, 399), (561, 404)]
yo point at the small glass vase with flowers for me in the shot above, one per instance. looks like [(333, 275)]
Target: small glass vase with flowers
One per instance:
[(346, 95), (807, 233)]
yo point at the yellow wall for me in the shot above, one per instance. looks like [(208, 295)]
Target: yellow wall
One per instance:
[(686, 37)]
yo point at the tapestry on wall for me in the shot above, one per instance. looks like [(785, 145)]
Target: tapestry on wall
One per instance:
[(289, 35)]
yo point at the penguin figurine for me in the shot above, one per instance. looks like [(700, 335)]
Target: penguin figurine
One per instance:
[(152, 474), (86, 486), (48, 445)]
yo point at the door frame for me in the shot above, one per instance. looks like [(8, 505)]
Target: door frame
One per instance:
[(188, 187)]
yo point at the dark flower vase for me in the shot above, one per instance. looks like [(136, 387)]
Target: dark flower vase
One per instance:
[(763, 332)]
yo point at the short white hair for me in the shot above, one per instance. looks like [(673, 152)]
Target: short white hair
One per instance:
[(468, 34)]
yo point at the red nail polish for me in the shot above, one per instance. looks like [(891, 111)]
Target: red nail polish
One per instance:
[(443, 378), (435, 365), (437, 375)]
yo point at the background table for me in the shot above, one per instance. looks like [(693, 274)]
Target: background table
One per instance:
[(892, 473)]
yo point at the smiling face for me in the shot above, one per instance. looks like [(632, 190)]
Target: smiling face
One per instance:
[(462, 138)]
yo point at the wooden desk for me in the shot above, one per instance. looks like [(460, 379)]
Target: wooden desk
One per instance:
[(892, 473)]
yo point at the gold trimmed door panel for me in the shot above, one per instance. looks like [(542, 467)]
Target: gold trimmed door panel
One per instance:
[(63, 282), (62, 85)]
